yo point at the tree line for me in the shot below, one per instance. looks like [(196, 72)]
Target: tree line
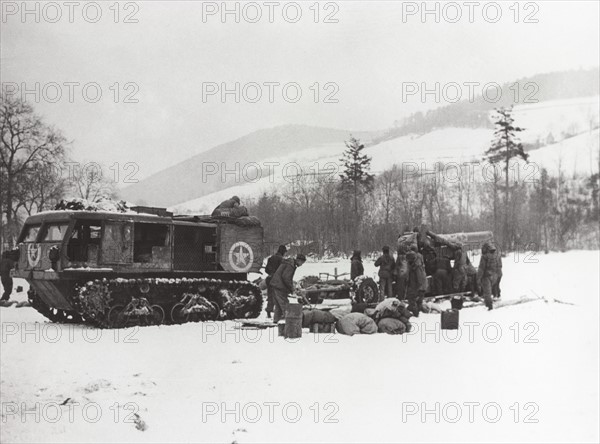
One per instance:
[(36, 170), (533, 211), (324, 214)]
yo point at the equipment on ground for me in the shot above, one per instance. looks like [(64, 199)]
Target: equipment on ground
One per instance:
[(362, 289)]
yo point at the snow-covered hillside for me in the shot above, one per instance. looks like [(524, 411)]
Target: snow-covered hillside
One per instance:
[(445, 145), (527, 372)]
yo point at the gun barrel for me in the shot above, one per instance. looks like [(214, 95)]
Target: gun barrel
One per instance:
[(474, 239)]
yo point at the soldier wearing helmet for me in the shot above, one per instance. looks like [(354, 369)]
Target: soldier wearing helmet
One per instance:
[(489, 272), (416, 282), (459, 272)]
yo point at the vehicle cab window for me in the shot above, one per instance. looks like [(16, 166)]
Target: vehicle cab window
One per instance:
[(55, 232), (84, 243), (30, 233), (151, 243)]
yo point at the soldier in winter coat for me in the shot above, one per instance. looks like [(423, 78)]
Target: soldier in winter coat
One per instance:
[(356, 265), (228, 204), (273, 264), (283, 284), (386, 265), (401, 273), (459, 272), (7, 263), (442, 277), (489, 272), (416, 282)]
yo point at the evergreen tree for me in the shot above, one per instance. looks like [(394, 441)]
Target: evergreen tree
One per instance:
[(505, 147), (356, 176)]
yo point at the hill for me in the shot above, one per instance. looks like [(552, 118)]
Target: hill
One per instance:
[(230, 163), (474, 113), (559, 132), (567, 106)]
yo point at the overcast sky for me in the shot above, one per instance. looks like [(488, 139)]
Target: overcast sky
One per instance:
[(176, 46)]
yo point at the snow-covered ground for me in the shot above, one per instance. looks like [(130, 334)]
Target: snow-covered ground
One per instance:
[(527, 372)]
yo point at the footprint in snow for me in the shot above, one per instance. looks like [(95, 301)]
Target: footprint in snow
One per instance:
[(94, 386), (140, 424)]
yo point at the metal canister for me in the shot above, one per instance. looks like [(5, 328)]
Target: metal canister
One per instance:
[(293, 321)]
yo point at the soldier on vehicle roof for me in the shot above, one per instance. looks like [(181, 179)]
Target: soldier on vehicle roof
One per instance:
[(233, 202)]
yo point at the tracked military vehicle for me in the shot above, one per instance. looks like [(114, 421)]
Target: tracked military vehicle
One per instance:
[(140, 267)]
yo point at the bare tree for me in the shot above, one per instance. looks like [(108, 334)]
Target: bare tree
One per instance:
[(25, 140), (389, 183), (89, 182), (43, 188)]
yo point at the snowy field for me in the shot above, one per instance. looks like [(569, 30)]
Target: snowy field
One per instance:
[(527, 372)]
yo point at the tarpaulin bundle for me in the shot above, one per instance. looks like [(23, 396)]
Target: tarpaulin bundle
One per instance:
[(244, 221), (102, 204)]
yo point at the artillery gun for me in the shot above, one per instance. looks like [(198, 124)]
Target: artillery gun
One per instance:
[(143, 266), (433, 246)]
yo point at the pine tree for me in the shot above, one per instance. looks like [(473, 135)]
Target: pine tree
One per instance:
[(505, 147), (356, 176)]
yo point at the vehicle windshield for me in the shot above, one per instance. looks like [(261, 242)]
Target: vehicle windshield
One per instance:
[(30, 233), (55, 232)]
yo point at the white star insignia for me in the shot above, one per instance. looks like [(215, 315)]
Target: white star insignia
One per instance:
[(240, 256)]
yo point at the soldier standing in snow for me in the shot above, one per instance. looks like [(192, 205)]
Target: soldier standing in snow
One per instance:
[(386, 270), (7, 263), (489, 272), (442, 276), (416, 282), (401, 273), (273, 264), (283, 284), (356, 265), (459, 272)]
